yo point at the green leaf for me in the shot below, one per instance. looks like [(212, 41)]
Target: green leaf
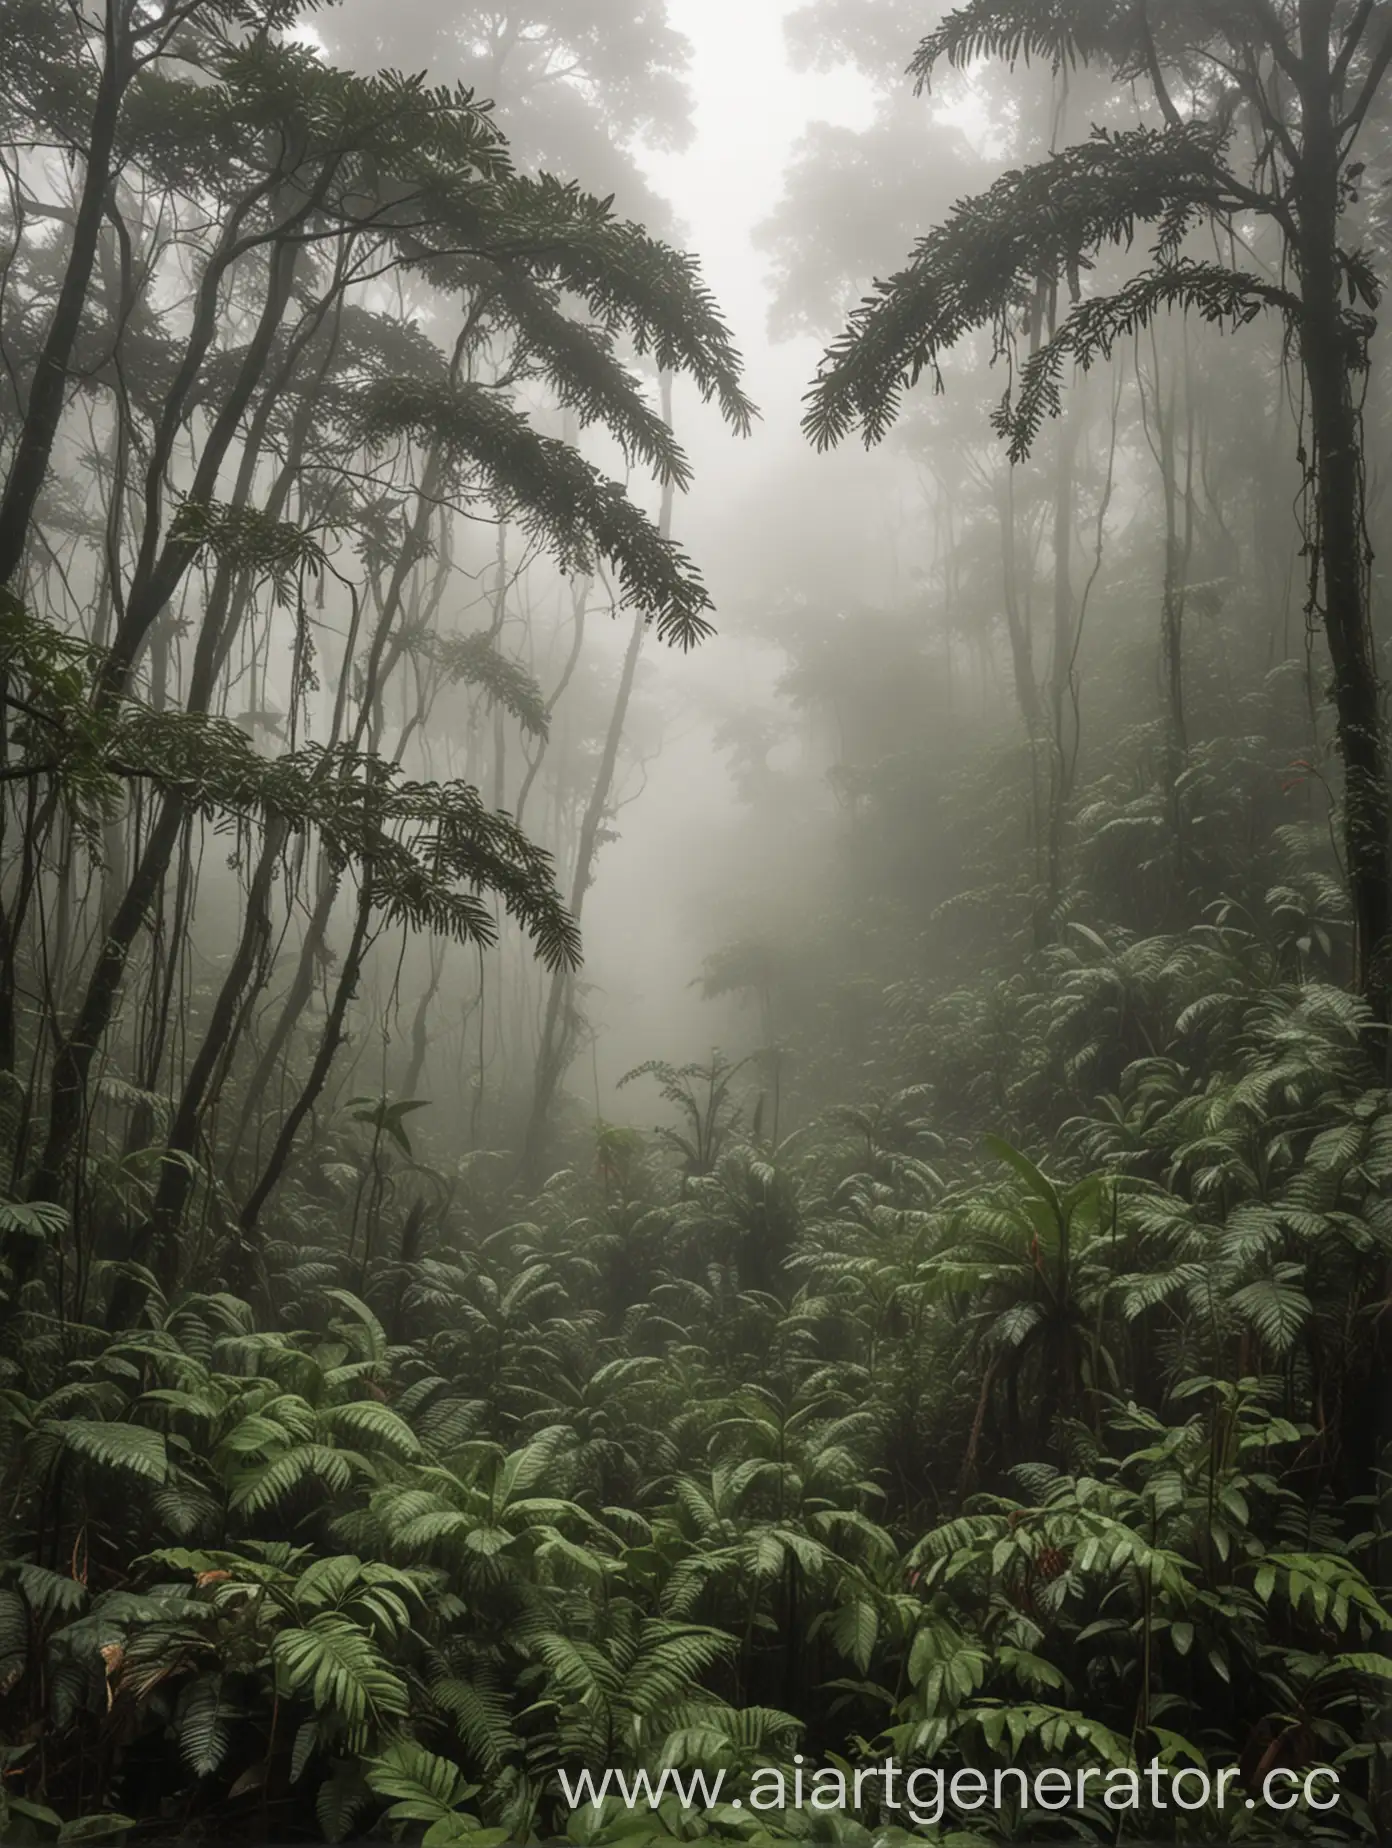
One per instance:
[(204, 1726), (342, 1670), (126, 1449), (424, 1787), (1035, 1180)]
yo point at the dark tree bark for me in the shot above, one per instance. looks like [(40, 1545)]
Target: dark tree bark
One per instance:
[(1330, 352), (323, 1060), (44, 411), (227, 605), (175, 1177)]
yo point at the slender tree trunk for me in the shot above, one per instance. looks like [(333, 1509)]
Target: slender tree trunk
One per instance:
[(1016, 621), (312, 952), (420, 1025), (160, 1003), (227, 606), (554, 1052), (557, 1027), (323, 1059), (160, 567), (44, 410), (579, 596), (1172, 615), (175, 1178), (1061, 687), (376, 670), (68, 1092), (1331, 352)]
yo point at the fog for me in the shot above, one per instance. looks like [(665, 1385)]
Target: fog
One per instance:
[(695, 922), (676, 869), (858, 743)]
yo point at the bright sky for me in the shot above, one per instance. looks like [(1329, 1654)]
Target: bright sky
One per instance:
[(751, 111), (751, 108)]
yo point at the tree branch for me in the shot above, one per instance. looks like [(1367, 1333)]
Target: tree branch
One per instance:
[(1162, 94), (1377, 70), (1352, 39)]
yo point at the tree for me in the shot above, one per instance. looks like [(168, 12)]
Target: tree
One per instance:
[(1302, 80), (281, 194), (577, 84)]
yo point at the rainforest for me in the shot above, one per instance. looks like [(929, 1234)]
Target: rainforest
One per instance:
[(695, 922)]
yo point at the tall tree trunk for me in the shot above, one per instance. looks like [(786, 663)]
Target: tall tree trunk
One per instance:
[(175, 1178), (68, 1092), (554, 1053), (1061, 685), (1016, 617), (377, 668), (1179, 539), (227, 606), (44, 410), (323, 1059), (1331, 351)]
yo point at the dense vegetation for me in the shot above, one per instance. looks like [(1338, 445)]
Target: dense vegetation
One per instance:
[(987, 1361)]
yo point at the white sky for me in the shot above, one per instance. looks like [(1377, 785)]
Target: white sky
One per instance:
[(751, 108)]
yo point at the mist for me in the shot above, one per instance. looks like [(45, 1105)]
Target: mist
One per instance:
[(695, 922)]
